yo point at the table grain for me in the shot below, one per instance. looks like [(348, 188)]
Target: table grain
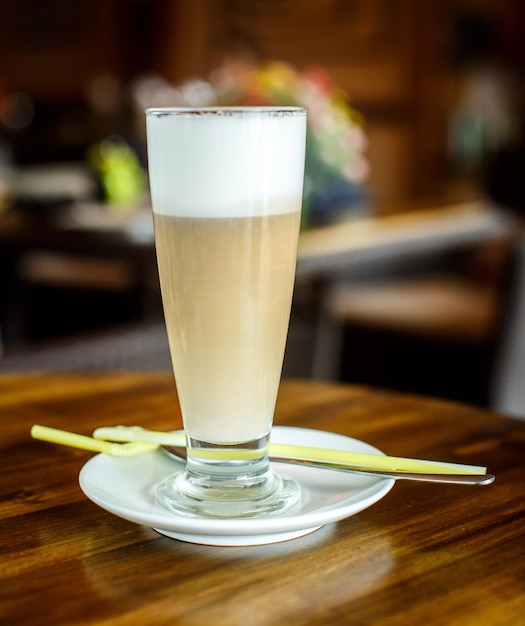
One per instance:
[(432, 554)]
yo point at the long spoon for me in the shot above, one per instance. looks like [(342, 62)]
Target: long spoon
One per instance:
[(179, 453)]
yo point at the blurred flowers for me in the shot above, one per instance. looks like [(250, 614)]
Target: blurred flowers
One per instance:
[(336, 164), (336, 140)]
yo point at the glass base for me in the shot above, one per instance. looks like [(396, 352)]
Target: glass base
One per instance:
[(228, 481)]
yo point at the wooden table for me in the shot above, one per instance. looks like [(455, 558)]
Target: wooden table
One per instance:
[(358, 247), (432, 554), (104, 251), (352, 245)]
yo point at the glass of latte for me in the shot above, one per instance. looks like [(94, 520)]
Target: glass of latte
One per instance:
[(226, 187)]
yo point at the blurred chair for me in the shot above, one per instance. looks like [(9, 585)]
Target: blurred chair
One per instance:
[(55, 293), (461, 314), (439, 308)]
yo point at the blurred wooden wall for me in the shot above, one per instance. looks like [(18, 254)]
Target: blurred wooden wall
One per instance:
[(389, 55)]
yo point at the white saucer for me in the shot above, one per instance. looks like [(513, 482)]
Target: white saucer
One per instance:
[(126, 487)]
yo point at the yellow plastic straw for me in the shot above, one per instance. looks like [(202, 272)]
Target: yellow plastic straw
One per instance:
[(341, 457), (65, 438)]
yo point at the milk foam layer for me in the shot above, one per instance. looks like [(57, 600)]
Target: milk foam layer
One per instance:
[(225, 163)]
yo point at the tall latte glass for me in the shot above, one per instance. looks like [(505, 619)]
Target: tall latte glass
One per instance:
[(226, 187)]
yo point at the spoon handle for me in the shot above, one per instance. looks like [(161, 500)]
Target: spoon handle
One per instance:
[(458, 479), (179, 453)]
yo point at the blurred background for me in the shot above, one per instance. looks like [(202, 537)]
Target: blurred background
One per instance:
[(429, 100)]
